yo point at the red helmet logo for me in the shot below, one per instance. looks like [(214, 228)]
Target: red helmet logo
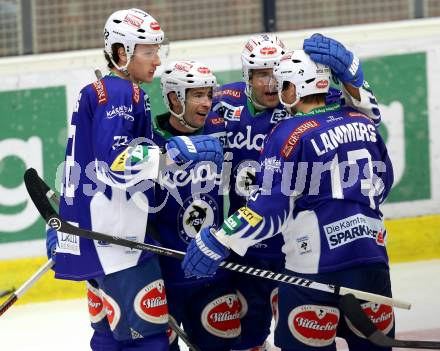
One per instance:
[(321, 84), (154, 26), (268, 50), (204, 70)]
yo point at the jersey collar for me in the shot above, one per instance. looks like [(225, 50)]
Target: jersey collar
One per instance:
[(321, 109)]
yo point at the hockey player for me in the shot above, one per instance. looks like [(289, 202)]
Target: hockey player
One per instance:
[(326, 171), (250, 110), (208, 308), (109, 168)]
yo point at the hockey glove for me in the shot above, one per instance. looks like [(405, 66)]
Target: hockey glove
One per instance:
[(51, 243), (194, 149), (344, 64), (204, 254)]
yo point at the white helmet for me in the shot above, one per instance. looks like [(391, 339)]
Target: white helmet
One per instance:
[(261, 51), (308, 76), (181, 75), (130, 27)]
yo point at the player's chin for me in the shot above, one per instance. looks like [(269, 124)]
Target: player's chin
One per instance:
[(271, 101)]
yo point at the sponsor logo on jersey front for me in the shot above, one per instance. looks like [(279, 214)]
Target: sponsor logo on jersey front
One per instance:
[(221, 317), (250, 140), (95, 303), (68, 243), (120, 111), (229, 112), (196, 214), (303, 245), (352, 228), (150, 303), (294, 137), (314, 325), (229, 92)]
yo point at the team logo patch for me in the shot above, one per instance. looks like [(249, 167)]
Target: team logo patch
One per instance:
[(292, 140), (381, 315), (150, 303), (101, 91), (314, 325), (196, 214), (112, 310), (118, 164), (274, 305), (170, 332), (95, 303), (221, 317)]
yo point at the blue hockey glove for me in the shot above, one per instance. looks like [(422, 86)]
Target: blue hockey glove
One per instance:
[(51, 243), (344, 64), (194, 149), (203, 255)]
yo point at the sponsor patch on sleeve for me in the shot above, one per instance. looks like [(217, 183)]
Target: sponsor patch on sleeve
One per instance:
[(101, 91), (250, 216), (294, 137)]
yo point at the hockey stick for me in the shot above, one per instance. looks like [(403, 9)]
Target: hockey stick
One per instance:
[(7, 292), (353, 310), (50, 194), (26, 286), (32, 182)]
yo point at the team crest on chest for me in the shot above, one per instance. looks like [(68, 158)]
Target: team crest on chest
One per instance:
[(196, 214)]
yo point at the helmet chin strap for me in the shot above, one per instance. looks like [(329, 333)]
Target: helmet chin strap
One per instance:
[(248, 92), (180, 117), (286, 105)]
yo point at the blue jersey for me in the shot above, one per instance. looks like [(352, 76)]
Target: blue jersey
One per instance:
[(100, 189), (245, 131), (323, 176), (187, 201)]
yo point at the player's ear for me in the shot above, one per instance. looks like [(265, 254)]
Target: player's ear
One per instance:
[(172, 98), (122, 56)]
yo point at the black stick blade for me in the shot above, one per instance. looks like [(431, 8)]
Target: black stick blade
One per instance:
[(34, 187)]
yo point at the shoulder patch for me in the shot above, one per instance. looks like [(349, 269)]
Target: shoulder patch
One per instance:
[(101, 91), (136, 93), (292, 140)]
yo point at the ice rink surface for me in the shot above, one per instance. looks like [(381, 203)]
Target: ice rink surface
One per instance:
[(64, 325)]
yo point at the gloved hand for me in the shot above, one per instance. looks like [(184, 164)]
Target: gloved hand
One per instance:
[(183, 149), (51, 243), (344, 64), (204, 254)]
